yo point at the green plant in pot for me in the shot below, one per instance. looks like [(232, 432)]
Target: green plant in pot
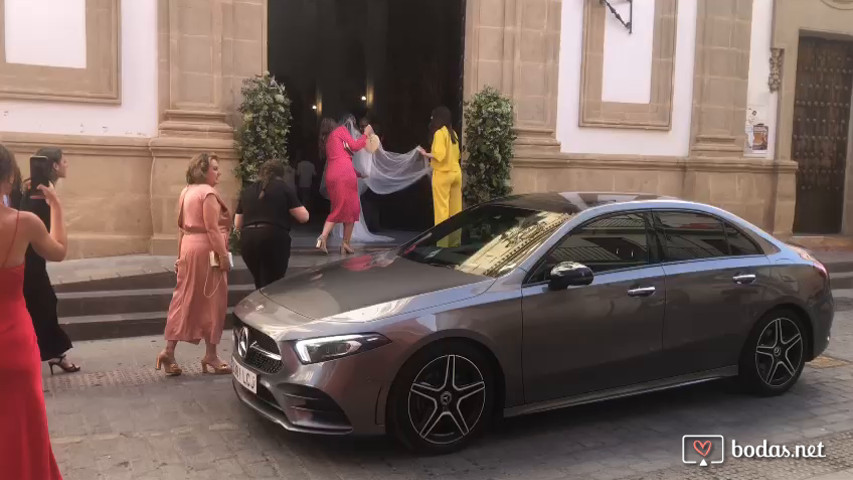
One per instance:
[(488, 143), (263, 131)]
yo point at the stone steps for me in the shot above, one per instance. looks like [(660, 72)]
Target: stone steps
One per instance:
[(131, 306)]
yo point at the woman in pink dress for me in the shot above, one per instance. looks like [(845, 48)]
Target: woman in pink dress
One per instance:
[(341, 178), (198, 307), (26, 453)]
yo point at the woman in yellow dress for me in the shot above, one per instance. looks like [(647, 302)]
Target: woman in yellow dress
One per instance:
[(446, 170)]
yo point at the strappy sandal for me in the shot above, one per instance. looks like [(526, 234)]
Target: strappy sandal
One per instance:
[(60, 362), (221, 369), (171, 368)]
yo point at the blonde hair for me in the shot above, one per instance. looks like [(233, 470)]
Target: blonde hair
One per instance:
[(199, 165)]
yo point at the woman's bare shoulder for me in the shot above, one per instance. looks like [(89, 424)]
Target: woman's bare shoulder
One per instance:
[(30, 222)]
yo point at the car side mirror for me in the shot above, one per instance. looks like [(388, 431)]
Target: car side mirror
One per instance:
[(569, 274)]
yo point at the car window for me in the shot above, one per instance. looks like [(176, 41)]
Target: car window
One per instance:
[(487, 240), (610, 243), (691, 235), (740, 244)]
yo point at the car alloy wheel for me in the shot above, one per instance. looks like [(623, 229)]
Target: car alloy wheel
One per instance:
[(779, 352), (443, 397), (446, 399), (774, 354)]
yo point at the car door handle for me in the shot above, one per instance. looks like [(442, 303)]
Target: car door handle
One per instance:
[(744, 278), (641, 292)]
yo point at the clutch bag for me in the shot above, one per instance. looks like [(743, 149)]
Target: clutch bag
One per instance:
[(214, 259)]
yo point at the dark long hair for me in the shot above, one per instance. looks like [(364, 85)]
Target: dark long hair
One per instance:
[(9, 168), (441, 117), (348, 117), (327, 126), (270, 170), (55, 156)]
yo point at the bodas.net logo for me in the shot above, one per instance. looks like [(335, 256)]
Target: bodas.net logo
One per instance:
[(703, 450)]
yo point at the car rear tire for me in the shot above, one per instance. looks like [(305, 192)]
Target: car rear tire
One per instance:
[(442, 398), (774, 354)]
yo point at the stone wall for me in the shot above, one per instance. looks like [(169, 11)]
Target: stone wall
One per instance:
[(122, 192)]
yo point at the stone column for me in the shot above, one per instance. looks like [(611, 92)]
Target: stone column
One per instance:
[(513, 45), (207, 47), (721, 74)]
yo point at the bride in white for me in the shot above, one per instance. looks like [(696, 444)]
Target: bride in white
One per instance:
[(384, 172)]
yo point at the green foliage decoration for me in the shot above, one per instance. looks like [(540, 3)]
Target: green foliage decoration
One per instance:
[(489, 143), (265, 125), (263, 131)]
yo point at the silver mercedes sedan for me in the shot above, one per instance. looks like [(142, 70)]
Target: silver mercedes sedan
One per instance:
[(525, 304)]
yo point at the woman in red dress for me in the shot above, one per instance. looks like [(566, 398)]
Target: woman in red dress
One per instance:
[(341, 178), (26, 453)]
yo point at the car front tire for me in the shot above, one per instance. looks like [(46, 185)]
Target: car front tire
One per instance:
[(774, 354), (442, 398)]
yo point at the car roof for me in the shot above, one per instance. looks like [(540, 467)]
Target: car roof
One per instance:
[(573, 202)]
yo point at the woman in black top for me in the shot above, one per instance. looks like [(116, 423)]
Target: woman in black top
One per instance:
[(263, 219), (38, 290)]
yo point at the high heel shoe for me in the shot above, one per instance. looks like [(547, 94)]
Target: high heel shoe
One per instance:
[(60, 362), (345, 249), (221, 369), (171, 368), (321, 245)]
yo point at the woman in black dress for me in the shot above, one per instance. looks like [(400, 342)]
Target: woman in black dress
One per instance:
[(38, 291), (263, 219)]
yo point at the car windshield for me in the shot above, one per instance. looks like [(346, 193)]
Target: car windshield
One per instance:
[(487, 240)]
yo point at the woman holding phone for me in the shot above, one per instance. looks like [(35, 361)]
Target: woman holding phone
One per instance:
[(47, 166), (26, 452)]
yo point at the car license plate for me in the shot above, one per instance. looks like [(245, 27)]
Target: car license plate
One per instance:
[(245, 377)]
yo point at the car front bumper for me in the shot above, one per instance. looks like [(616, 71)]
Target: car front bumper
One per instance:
[(338, 397)]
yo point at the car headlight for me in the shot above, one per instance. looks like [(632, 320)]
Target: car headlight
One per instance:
[(314, 350)]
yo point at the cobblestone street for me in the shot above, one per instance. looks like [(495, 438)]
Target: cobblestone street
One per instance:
[(119, 419)]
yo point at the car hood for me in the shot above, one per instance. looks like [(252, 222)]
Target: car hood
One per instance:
[(369, 287)]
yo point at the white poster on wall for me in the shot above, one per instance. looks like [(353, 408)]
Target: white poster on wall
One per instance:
[(757, 133)]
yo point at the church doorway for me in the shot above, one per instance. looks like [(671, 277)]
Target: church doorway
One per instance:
[(391, 61)]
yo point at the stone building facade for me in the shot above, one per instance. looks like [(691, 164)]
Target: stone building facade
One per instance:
[(665, 107)]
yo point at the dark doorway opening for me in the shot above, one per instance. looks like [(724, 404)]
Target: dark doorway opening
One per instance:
[(390, 60), (821, 126)]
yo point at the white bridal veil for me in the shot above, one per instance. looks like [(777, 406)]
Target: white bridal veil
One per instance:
[(386, 172)]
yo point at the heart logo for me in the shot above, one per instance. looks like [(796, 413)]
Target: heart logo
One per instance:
[(702, 448)]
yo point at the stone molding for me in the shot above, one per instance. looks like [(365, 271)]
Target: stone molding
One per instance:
[(721, 76), (839, 4), (206, 49), (777, 59), (655, 115), (89, 145), (514, 46), (660, 163), (99, 82)]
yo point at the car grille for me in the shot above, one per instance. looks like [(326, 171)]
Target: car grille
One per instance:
[(263, 353)]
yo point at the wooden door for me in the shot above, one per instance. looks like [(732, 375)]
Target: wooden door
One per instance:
[(821, 126)]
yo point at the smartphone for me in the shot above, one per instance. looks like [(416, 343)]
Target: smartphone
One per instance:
[(40, 167)]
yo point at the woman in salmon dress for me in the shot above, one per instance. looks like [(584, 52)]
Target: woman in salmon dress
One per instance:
[(199, 303), (341, 178), (26, 453)]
